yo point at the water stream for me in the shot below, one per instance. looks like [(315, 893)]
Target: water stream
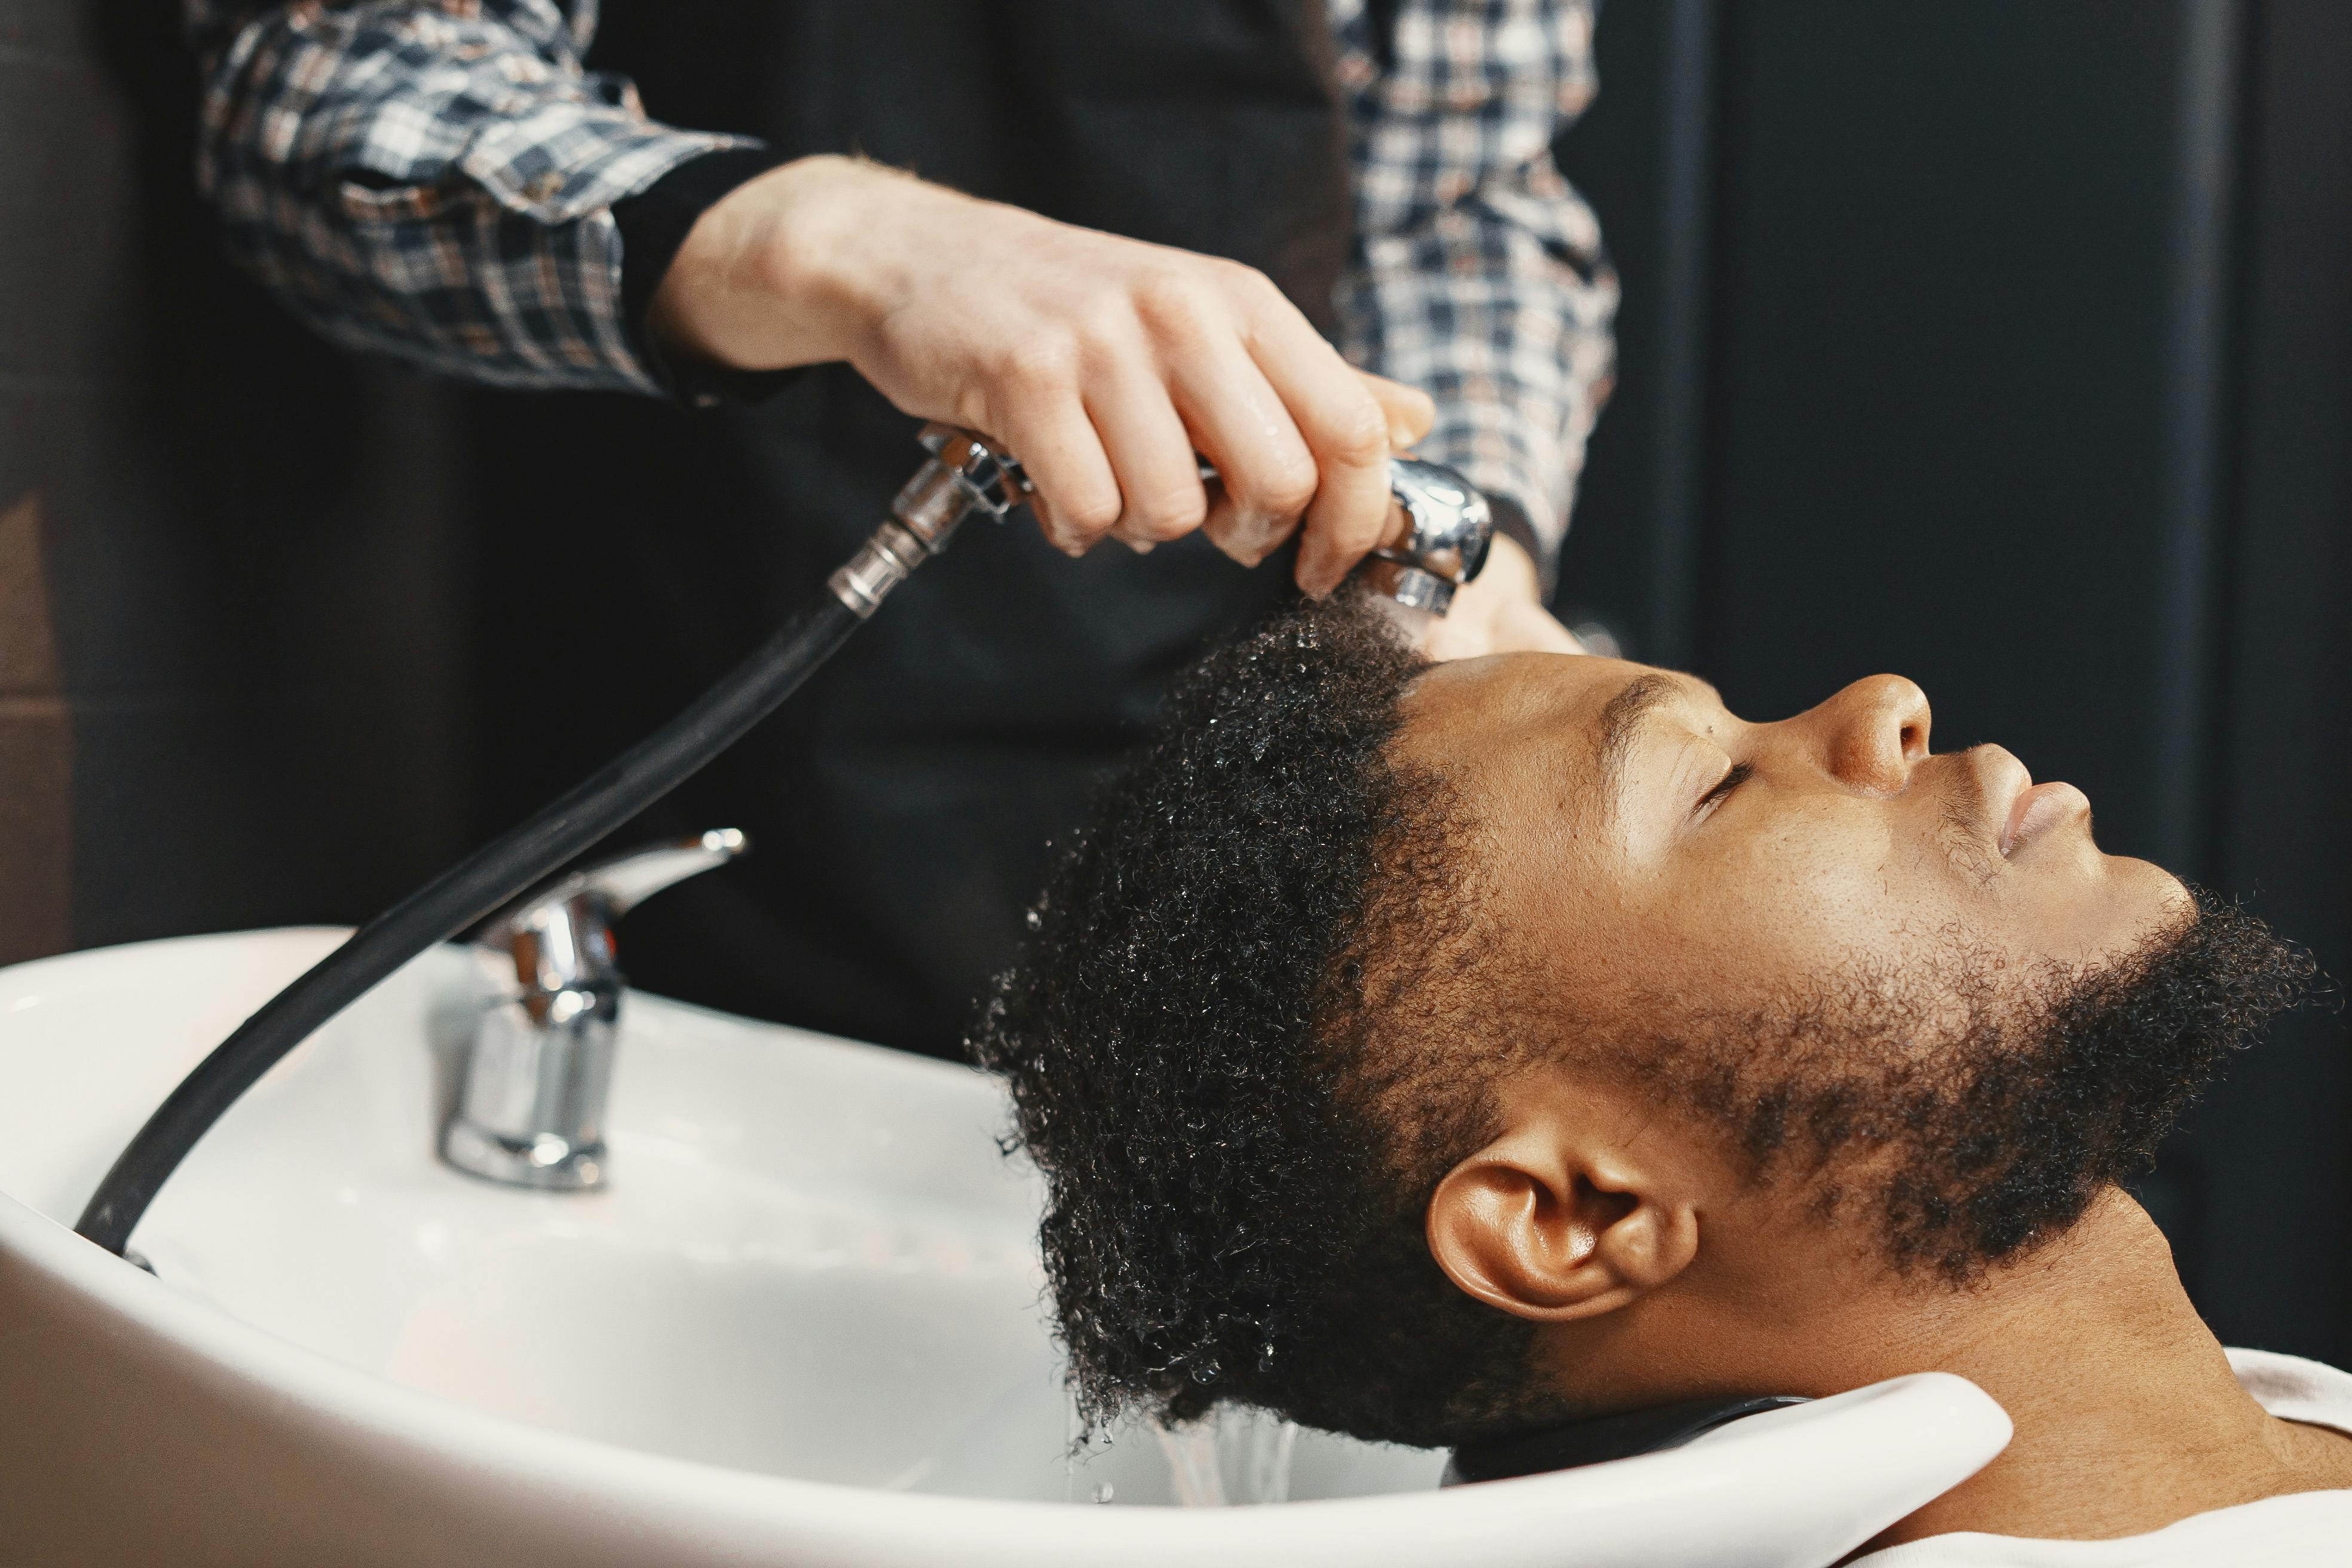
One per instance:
[(1234, 1457)]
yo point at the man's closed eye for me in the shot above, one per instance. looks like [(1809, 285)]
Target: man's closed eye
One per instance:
[(1737, 774)]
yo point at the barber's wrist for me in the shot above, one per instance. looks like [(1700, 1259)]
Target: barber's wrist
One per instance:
[(767, 276), (653, 225), (1512, 522), (1513, 570), (1502, 610)]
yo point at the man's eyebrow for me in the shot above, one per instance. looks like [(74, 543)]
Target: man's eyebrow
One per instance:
[(1621, 721)]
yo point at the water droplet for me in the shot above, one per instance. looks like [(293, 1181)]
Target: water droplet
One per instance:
[(1103, 1493)]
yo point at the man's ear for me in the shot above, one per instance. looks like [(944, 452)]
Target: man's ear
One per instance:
[(1556, 1225)]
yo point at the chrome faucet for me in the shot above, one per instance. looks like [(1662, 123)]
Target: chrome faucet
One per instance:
[(531, 1109)]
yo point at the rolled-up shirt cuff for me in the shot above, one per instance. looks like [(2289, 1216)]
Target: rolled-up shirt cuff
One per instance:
[(653, 225)]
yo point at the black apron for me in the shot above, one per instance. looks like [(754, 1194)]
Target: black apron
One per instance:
[(902, 806)]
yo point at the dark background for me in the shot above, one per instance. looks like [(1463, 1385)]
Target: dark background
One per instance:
[(2005, 344)]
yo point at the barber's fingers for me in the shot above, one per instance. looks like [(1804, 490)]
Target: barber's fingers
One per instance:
[(1237, 420), (1077, 494), (1150, 452), (1107, 423), (1246, 535), (1345, 428), (1409, 410)]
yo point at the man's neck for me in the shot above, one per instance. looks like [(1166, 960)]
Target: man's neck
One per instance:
[(2128, 1415)]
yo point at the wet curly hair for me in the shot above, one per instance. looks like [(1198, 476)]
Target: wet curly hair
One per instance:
[(1218, 1037)]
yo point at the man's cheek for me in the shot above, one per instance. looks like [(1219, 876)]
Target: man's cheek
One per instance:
[(1812, 895), (1740, 941)]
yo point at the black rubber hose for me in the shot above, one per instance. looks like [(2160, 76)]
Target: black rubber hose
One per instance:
[(460, 897)]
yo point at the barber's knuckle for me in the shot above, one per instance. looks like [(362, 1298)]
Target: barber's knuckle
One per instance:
[(977, 405), (1261, 297), (1285, 484), (1358, 434), (1242, 280), (1043, 360), (1103, 321), (1091, 511), (1172, 302), (1169, 513)]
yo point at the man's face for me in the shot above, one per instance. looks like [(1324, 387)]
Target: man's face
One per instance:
[(1913, 974), (1651, 845)]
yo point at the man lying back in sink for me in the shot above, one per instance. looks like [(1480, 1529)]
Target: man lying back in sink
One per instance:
[(1429, 1053)]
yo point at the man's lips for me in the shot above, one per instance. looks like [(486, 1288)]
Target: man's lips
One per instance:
[(2038, 808), (2016, 810)]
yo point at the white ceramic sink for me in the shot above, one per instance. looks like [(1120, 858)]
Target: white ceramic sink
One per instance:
[(809, 1298)]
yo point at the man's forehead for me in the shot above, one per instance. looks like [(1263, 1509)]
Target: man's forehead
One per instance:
[(1591, 709), (1542, 736)]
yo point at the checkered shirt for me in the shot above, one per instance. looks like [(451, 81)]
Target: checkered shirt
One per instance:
[(435, 179)]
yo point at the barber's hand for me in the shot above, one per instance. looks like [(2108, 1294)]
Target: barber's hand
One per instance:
[(1501, 610), (1103, 362)]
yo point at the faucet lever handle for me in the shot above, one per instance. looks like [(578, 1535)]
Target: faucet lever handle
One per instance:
[(600, 894), (628, 880)]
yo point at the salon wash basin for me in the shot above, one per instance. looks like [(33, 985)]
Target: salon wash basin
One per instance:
[(802, 1326)]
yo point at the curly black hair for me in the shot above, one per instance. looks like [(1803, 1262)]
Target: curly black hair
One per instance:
[(1219, 1040)]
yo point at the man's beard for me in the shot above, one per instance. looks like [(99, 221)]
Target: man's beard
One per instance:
[(1976, 1114)]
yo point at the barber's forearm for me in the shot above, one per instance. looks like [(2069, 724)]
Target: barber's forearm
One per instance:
[(431, 181)]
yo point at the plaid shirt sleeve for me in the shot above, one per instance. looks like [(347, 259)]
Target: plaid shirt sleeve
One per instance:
[(1479, 275), (433, 179)]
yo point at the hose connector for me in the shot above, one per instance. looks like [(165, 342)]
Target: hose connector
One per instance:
[(964, 474)]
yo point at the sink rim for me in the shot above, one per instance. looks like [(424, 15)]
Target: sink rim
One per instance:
[(867, 1524), (328, 1387)]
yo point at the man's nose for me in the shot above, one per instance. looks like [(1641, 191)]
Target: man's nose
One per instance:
[(1874, 732)]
